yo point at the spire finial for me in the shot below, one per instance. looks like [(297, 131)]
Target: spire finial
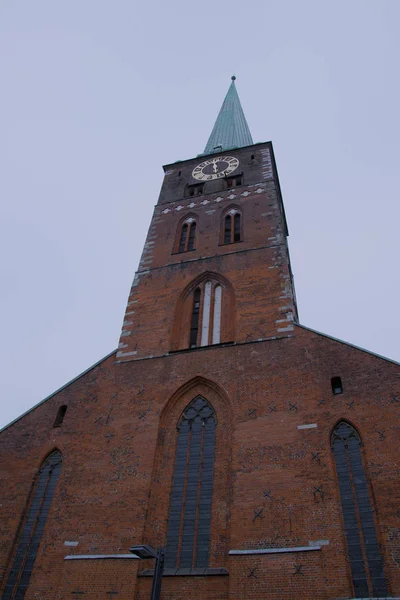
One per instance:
[(233, 77)]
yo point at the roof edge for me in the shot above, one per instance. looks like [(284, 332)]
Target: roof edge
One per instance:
[(348, 344), (58, 390)]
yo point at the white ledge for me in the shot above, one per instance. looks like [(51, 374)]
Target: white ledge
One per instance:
[(276, 550), (99, 556)]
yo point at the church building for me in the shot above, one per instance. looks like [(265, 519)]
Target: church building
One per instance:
[(261, 455)]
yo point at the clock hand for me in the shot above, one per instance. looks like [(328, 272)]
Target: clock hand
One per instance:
[(215, 168)]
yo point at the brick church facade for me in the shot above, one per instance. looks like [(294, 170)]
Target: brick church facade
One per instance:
[(262, 455)]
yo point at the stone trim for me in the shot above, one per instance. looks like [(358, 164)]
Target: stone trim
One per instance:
[(275, 550), (196, 572), (101, 556)]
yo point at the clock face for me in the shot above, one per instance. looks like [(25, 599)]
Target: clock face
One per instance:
[(215, 168)]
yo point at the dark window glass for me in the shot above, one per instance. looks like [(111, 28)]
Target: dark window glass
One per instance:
[(228, 229), (194, 190), (236, 230), (60, 416), (192, 233), (194, 327), (188, 536), (362, 543), (182, 241), (337, 387), (32, 528)]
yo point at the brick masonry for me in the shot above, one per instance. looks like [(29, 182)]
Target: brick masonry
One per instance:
[(271, 390)]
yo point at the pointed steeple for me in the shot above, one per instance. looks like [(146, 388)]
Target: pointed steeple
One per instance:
[(230, 129)]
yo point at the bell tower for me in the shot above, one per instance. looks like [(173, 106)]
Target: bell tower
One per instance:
[(215, 267)]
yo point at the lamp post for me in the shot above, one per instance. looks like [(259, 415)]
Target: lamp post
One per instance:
[(144, 552)]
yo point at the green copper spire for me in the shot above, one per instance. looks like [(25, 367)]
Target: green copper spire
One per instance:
[(230, 129)]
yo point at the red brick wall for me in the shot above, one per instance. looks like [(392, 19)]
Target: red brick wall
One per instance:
[(118, 441), (118, 437), (257, 268)]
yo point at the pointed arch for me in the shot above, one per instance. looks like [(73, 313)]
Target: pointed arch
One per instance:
[(209, 319), (211, 522), (358, 514), (231, 227), (185, 235), (215, 393), (31, 528)]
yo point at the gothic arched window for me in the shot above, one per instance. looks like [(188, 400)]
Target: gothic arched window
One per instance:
[(187, 235), (362, 542), (204, 313), (232, 227), (32, 527), (205, 326), (188, 536)]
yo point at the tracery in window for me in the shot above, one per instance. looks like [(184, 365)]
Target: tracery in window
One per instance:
[(32, 527), (232, 227), (188, 536), (358, 515)]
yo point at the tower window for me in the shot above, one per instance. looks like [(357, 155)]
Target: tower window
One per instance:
[(232, 227), (207, 308), (204, 313), (234, 181), (60, 416), (228, 229), (358, 515), (192, 232), (187, 236), (32, 527), (236, 227), (194, 327), (188, 535), (337, 387), (194, 190)]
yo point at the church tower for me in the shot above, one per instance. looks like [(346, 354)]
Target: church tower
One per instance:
[(215, 268), (260, 454)]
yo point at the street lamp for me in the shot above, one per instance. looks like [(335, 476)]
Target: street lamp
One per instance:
[(144, 552)]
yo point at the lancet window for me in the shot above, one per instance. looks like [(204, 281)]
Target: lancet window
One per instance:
[(187, 235), (32, 527), (206, 315), (358, 515), (188, 536), (232, 227)]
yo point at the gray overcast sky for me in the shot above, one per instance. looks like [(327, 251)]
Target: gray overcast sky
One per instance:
[(96, 95)]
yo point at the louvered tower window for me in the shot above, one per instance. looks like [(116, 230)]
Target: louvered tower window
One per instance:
[(188, 537), (232, 227), (187, 236), (362, 543), (32, 527)]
